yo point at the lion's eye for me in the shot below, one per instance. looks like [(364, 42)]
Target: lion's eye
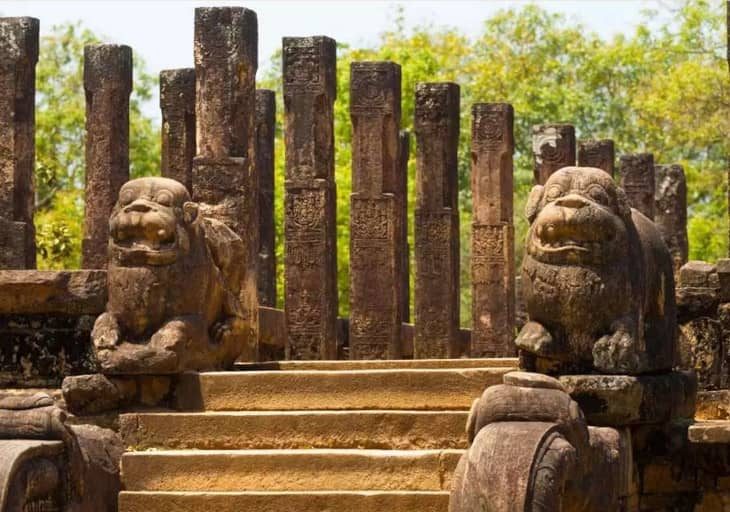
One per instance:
[(164, 198), (553, 193), (126, 196), (597, 193)]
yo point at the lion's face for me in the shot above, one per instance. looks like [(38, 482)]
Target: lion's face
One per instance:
[(578, 217), (149, 223)]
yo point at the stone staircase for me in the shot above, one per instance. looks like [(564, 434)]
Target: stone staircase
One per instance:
[(306, 436)]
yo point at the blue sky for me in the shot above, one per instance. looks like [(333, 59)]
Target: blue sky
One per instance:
[(162, 31)]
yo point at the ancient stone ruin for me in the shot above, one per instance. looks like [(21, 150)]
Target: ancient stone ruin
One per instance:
[(163, 376)]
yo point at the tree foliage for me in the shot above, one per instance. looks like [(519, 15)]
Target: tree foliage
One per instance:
[(60, 133)]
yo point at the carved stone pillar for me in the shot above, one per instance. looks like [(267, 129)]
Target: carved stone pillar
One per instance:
[(265, 134), (18, 58), (493, 258), (376, 247), (404, 156), (437, 221), (108, 84), (224, 175), (310, 248), (597, 153), (637, 179), (553, 147), (177, 103), (670, 211)]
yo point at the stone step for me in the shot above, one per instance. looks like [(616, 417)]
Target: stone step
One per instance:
[(339, 501), (372, 429), (710, 431), (382, 364), (289, 470), (414, 389)]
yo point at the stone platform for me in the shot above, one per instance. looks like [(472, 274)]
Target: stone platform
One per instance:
[(310, 436)]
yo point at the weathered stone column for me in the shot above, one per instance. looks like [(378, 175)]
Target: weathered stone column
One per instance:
[(310, 261), (436, 124), (553, 147), (108, 84), (376, 251), (597, 153), (637, 179), (177, 103), (404, 156), (18, 58), (265, 134), (670, 211), (224, 175), (492, 245)]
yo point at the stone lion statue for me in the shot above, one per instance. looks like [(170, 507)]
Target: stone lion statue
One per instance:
[(597, 281), (173, 285)]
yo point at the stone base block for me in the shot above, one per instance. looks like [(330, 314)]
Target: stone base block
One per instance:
[(620, 400)]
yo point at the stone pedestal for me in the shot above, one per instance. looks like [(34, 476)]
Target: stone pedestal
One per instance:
[(493, 260), (177, 103), (18, 58), (310, 203), (108, 84), (376, 248)]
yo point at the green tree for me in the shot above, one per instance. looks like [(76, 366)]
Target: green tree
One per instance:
[(60, 133)]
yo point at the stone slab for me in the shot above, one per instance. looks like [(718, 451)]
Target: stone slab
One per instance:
[(74, 292), (330, 501), (383, 364), (289, 470), (401, 430), (710, 431), (619, 400), (713, 405), (449, 389)]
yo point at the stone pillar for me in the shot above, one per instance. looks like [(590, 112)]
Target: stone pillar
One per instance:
[(436, 331), (553, 147), (310, 261), (597, 153), (492, 245), (177, 103), (637, 179), (108, 84), (376, 251), (224, 178), (265, 134), (404, 156), (670, 211), (18, 58)]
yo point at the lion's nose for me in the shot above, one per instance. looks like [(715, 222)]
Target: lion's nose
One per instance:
[(571, 201), (137, 206)]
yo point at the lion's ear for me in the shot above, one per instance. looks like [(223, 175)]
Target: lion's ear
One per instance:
[(533, 203), (190, 212), (622, 204)]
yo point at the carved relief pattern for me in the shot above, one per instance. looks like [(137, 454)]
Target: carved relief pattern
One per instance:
[(302, 67), (370, 219), (369, 96), (493, 300), (489, 131)]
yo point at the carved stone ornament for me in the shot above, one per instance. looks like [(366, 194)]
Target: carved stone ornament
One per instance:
[(597, 281), (173, 285)]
